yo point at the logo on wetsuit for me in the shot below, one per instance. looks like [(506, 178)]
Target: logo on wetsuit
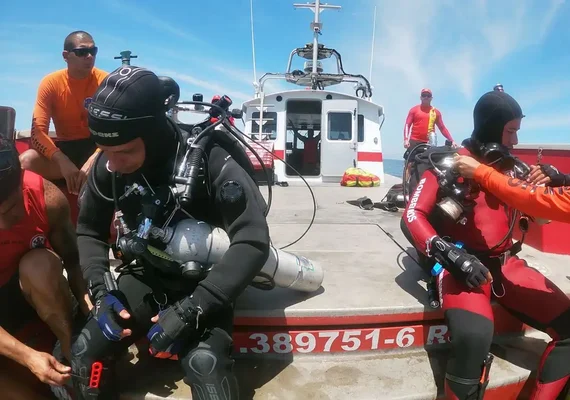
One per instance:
[(411, 214), (86, 102), (38, 242), (104, 134)]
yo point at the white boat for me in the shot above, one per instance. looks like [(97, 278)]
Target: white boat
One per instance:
[(349, 125)]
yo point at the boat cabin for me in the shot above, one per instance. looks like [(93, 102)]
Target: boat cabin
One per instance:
[(318, 133)]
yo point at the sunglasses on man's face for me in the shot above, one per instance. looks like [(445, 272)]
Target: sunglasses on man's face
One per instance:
[(84, 51), (426, 96)]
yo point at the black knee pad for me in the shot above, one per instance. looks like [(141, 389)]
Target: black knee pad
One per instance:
[(557, 363), (208, 368), (92, 379), (471, 337)]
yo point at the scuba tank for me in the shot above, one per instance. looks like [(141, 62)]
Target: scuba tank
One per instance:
[(197, 245)]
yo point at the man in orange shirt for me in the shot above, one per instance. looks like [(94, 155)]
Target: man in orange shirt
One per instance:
[(63, 96), (421, 122)]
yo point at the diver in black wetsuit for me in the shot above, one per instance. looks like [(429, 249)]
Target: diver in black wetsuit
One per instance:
[(127, 120)]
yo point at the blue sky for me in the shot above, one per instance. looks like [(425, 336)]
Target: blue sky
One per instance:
[(459, 49)]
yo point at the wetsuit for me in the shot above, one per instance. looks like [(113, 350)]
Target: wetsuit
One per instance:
[(542, 202), (421, 122), (241, 216), (29, 233), (64, 100), (522, 290)]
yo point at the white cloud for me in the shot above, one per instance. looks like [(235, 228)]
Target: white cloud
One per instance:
[(208, 85), (139, 14), (548, 17), (447, 46)]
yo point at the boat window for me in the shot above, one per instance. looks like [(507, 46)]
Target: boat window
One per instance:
[(340, 126), (360, 128), (269, 127)]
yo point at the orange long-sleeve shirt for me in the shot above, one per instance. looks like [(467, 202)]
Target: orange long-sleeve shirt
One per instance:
[(537, 201), (64, 100)]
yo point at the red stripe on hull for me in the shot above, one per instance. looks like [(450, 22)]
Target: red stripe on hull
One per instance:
[(369, 156)]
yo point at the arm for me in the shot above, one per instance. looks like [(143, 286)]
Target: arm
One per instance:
[(40, 139), (64, 242), (408, 125), (248, 232), (93, 223), (441, 126), (13, 349), (421, 205), (541, 202)]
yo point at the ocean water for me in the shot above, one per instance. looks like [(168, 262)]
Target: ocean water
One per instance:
[(393, 167)]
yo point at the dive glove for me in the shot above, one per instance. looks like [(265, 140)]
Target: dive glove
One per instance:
[(459, 263), (176, 324), (106, 312), (557, 178)]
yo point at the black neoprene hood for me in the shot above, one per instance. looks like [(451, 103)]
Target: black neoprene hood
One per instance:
[(490, 115)]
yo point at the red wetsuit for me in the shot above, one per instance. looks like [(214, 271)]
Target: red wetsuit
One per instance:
[(523, 291), (421, 122), (31, 232)]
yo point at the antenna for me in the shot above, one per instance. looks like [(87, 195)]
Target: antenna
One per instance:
[(372, 50), (252, 42), (316, 26)]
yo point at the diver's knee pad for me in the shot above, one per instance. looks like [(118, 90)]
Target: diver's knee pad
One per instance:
[(208, 368), (469, 389), (92, 379), (555, 363)]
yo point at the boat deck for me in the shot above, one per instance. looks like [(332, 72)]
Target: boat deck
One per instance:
[(370, 267), (372, 286)]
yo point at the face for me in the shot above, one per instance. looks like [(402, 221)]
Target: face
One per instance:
[(82, 57), (126, 158), (426, 99), (510, 136), (12, 209)]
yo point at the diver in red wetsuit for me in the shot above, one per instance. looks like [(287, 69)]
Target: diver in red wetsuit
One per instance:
[(36, 236), (421, 122), (467, 283)]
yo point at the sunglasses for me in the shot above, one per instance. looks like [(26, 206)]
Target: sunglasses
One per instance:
[(84, 51), (426, 95)]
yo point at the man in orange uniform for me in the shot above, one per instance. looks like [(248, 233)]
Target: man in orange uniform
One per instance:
[(421, 122), (36, 236), (549, 202), (64, 96)]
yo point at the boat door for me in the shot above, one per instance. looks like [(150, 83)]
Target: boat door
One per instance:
[(338, 136)]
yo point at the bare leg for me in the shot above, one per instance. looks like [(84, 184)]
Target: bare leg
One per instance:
[(33, 161), (18, 383), (47, 290)]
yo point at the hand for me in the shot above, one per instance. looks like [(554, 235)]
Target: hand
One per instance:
[(552, 177), (48, 369), (84, 171), (459, 263), (406, 144), (476, 274), (537, 176), (171, 327), (69, 172), (455, 145), (466, 165), (106, 310)]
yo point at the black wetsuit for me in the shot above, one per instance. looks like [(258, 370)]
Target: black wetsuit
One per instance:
[(243, 220)]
